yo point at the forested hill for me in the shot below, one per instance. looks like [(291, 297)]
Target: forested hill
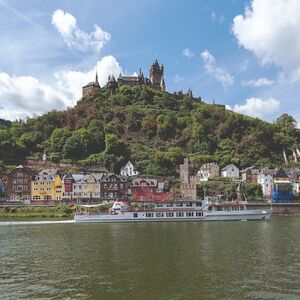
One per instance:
[(153, 128)]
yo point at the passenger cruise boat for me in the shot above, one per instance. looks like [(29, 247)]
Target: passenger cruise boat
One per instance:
[(209, 209)]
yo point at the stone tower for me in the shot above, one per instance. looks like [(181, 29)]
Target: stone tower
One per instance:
[(186, 171), (156, 74), (112, 84), (91, 88)]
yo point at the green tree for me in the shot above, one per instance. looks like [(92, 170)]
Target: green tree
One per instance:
[(74, 148), (58, 139), (96, 143)]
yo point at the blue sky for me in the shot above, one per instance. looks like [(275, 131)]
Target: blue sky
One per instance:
[(233, 51)]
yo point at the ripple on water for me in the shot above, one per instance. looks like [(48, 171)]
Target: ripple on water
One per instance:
[(234, 260)]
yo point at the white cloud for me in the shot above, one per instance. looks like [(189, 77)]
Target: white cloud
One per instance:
[(187, 53), (259, 108), (178, 78), (23, 96), (71, 82), (74, 37), (211, 68), (270, 29), (258, 82)]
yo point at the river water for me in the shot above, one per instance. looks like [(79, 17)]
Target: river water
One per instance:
[(198, 260)]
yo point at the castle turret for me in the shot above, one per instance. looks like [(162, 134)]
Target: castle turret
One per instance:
[(96, 81), (156, 74), (111, 84), (91, 88), (162, 85)]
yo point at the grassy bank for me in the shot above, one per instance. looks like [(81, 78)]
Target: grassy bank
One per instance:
[(61, 211)]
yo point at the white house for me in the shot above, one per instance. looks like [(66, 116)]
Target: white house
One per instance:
[(231, 171), (265, 179), (208, 170), (129, 170)]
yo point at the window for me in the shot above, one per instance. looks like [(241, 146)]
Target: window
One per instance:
[(159, 215), (199, 214), (189, 214), (149, 215), (36, 198), (180, 214), (135, 215), (169, 214), (169, 204), (159, 205), (199, 203), (189, 204), (179, 204)]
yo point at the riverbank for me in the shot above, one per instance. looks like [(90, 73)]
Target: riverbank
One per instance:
[(61, 211)]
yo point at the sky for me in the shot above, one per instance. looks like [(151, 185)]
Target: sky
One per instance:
[(241, 53)]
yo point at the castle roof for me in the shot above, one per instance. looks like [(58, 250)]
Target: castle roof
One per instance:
[(280, 173), (92, 83)]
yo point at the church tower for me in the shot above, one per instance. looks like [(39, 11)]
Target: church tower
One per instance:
[(156, 74)]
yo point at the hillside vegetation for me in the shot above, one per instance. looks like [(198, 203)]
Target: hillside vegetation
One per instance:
[(154, 128)]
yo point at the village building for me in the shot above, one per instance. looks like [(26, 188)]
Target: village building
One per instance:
[(265, 180), (46, 186), (250, 174), (208, 170), (129, 170), (67, 187), (147, 189), (2, 189), (295, 177), (282, 190), (231, 171), (86, 187), (18, 185), (113, 187)]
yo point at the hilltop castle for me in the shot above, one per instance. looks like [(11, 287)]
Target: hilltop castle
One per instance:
[(156, 80)]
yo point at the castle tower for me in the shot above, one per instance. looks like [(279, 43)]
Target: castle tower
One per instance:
[(91, 88), (186, 171), (156, 74), (190, 93), (112, 84)]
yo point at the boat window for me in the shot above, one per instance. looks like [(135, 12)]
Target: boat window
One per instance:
[(135, 215), (189, 214), (169, 214), (180, 214), (169, 204), (159, 205), (199, 203), (210, 208), (220, 208), (160, 215), (189, 204), (149, 215), (179, 204), (199, 214)]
